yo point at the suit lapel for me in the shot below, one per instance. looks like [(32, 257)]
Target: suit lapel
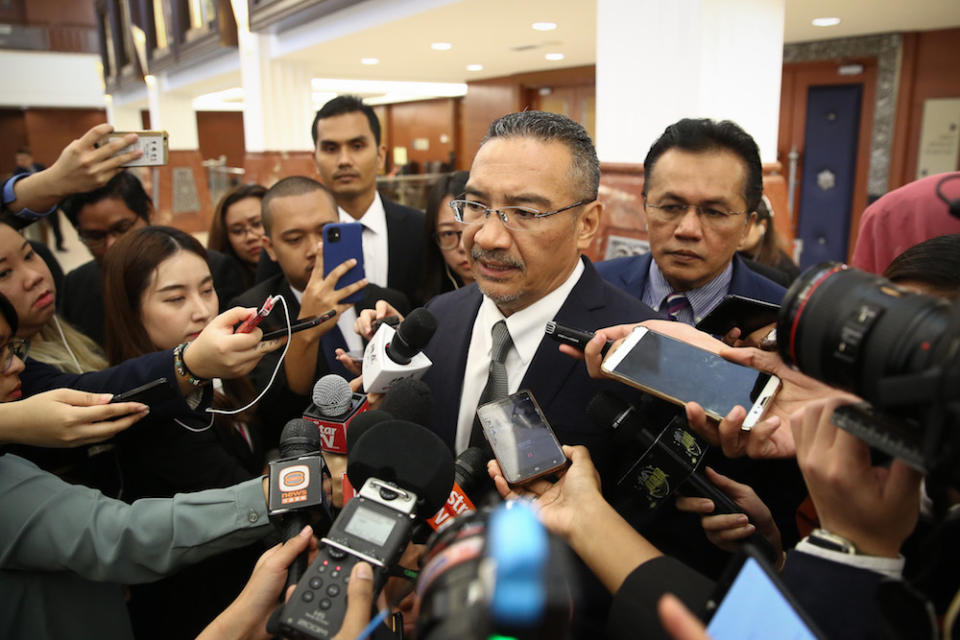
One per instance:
[(550, 369), (396, 241)]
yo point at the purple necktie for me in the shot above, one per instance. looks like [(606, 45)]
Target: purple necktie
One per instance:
[(674, 304)]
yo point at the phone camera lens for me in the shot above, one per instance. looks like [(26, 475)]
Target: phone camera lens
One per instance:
[(333, 235)]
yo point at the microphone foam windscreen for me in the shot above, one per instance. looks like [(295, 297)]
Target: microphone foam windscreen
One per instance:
[(408, 455), (409, 399), (417, 329), (471, 469), (298, 438), (362, 423), (332, 395)]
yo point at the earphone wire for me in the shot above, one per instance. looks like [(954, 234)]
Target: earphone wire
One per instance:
[(66, 346), (276, 370)]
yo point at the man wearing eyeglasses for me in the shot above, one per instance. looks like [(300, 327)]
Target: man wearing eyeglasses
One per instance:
[(100, 218), (702, 185), (529, 211)]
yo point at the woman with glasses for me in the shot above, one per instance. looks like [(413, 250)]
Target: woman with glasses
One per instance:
[(237, 230), (444, 265)]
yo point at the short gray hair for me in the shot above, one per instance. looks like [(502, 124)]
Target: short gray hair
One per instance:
[(553, 127)]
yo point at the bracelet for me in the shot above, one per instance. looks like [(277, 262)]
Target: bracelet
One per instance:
[(183, 370)]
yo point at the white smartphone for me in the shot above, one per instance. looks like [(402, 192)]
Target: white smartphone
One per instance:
[(521, 438), (679, 372)]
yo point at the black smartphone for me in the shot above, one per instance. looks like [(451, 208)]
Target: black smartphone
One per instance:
[(737, 311), (521, 438), (148, 394), (750, 601), (300, 325)]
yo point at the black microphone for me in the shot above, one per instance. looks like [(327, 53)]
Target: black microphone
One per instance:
[(472, 485), (396, 354), (674, 453), (409, 399), (333, 409), (359, 426), (296, 487), (412, 336)]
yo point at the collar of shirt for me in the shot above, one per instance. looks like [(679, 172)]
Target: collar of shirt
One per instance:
[(526, 332), (374, 219), (702, 299), (296, 294)]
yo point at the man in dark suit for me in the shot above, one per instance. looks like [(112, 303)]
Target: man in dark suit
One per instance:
[(702, 185), (100, 217), (349, 155), (294, 212)]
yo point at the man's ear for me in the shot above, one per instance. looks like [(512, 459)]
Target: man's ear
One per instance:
[(381, 158), (268, 247), (588, 223)]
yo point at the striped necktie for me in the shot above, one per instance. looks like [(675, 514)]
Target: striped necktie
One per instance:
[(496, 387), (674, 304)]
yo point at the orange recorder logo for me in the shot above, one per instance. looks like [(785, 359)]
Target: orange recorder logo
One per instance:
[(293, 483)]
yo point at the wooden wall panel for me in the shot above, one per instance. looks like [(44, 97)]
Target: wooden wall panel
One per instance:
[(50, 130), (485, 102), (13, 135), (78, 13), (928, 70), (221, 133), (433, 120)]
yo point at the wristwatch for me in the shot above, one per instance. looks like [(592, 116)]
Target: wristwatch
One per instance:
[(831, 541)]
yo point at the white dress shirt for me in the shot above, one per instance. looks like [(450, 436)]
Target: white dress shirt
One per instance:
[(526, 331), (374, 236), (345, 322)]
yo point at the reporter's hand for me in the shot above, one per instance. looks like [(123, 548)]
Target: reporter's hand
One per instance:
[(348, 363), (559, 502), (766, 440), (218, 352), (321, 294), (677, 620), (246, 617), (66, 418), (875, 508), (368, 317), (726, 530), (359, 602)]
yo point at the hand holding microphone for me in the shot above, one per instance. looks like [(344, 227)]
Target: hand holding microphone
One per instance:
[(395, 354)]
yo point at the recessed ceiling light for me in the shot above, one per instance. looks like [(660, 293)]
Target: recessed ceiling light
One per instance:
[(474, 67), (554, 56), (441, 46), (825, 22), (543, 26), (369, 60)]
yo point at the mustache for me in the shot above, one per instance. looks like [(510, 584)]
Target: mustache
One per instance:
[(498, 256)]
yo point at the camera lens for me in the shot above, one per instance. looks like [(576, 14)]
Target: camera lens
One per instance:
[(851, 329), (333, 235)]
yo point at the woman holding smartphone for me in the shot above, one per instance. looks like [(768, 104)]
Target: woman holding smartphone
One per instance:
[(159, 295)]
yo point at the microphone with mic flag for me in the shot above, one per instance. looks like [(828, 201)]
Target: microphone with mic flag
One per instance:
[(395, 354), (334, 406), (670, 460), (296, 497)]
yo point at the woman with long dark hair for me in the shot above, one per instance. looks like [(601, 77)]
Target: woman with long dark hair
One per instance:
[(444, 264)]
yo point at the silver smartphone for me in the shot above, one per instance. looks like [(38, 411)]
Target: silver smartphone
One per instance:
[(521, 438), (679, 372)]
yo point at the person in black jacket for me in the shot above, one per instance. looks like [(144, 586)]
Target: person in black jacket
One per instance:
[(101, 217), (444, 263)]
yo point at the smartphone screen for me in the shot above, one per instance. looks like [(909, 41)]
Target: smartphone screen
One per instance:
[(521, 438), (680, 373), (754, 607)]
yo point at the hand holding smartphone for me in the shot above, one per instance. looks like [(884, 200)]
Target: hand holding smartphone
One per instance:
[(521, 438), (678, 372), (342, 241)]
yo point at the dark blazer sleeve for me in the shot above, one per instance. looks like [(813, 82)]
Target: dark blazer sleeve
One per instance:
[(38, 377), (404, 242), (633, 613)]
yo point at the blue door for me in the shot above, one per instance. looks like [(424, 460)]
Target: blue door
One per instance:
[(829, 170)]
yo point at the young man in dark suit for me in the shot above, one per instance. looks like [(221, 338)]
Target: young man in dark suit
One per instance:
[(702, 185), (349, 155), (294, 212)]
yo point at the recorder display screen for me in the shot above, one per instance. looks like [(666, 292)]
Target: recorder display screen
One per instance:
[(371, 526), (683, 373)]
